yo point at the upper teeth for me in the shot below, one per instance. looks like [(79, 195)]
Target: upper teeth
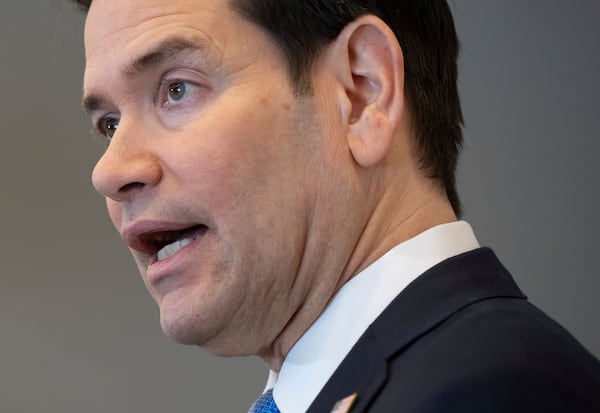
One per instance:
[(172, 249)]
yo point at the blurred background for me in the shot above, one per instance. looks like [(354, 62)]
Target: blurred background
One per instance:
[(79, 333)]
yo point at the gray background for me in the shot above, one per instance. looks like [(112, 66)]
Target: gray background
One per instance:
[(79, 332)]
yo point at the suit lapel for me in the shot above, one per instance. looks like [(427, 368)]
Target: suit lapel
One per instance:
[(434, 296), (439, 293)]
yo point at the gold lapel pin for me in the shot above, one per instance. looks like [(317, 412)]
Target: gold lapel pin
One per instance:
[(344, 405)]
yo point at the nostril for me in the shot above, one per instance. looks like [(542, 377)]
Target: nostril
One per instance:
[(131, 186)]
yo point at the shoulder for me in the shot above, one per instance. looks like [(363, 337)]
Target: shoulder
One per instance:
[(495, 355)]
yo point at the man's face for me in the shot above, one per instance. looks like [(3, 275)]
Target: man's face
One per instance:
[(214, 168)]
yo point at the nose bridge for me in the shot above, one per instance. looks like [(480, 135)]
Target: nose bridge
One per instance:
[(128, 166)]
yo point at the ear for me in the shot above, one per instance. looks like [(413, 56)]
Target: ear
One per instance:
[(368, 61)]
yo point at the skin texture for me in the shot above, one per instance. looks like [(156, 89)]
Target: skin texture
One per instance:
[(297, 193)]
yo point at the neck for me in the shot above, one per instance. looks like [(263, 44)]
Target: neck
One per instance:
[(381, 235), (394, 218)]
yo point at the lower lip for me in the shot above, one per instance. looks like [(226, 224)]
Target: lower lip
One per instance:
[(159, 270)]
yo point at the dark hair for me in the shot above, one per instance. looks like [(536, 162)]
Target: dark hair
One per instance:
[(426, 33)]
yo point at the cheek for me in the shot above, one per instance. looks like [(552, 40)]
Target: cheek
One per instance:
[(227, 165)]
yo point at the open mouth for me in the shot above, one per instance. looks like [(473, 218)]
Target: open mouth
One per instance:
[(165, 244)]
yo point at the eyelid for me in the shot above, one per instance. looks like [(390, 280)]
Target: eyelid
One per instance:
[(182, 74), (187, 76)]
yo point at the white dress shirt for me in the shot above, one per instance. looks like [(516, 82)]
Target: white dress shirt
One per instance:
[(318, 353)]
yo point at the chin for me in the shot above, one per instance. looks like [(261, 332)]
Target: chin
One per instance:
[(203, 326), (188, 334), (181, 328)]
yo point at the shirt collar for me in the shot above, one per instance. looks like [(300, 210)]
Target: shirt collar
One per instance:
[(318, 353)]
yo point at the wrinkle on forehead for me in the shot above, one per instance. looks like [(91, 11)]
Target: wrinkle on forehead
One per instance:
[(118, 32), (108, 20)]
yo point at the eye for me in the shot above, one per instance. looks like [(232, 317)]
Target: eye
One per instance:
[(107, 126), (177, 90), (178, 93), (181, 97)]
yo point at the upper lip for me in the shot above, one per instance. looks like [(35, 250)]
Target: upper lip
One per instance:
[(141, 235)]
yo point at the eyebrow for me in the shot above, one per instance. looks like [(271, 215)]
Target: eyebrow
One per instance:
[(165, 50)]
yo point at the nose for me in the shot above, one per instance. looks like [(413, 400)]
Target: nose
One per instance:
[(126, 168)]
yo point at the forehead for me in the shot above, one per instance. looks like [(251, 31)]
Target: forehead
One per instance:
[(114, 22), (118, 31)]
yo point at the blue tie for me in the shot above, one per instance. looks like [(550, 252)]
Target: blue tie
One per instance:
[(265, 404)]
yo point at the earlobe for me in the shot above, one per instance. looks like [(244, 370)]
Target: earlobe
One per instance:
[(370, 136), (370, 66)]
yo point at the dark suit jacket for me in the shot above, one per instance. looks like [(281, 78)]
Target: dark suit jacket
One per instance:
[(463, 338)]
